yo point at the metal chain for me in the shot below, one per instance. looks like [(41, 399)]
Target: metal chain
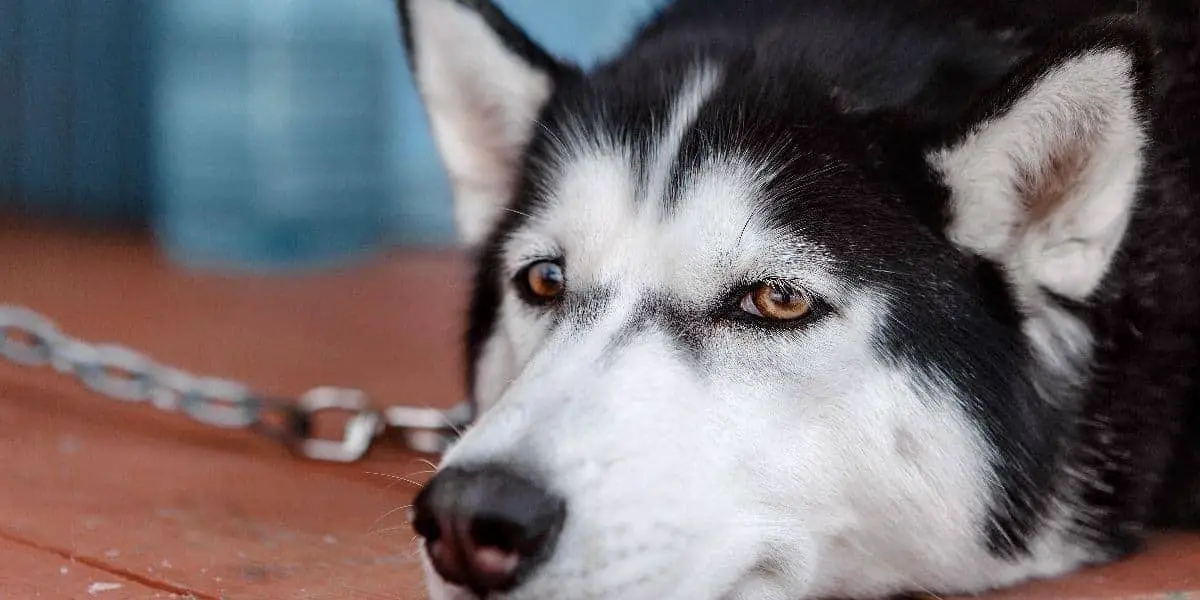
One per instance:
[(29, 339)]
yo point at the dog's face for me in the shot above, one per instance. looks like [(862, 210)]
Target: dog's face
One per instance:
[(744, 345)]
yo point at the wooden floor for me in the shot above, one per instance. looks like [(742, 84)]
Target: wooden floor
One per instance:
[(102, 500)]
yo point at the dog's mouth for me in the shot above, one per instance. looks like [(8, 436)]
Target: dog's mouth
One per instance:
[(735, 591)]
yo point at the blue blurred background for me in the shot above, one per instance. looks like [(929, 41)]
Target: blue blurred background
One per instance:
[(249, 135)]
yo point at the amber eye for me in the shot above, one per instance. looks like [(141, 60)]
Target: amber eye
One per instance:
[(544, 280), (776, 303)]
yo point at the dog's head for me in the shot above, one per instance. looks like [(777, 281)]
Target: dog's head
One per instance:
[(731, 340)]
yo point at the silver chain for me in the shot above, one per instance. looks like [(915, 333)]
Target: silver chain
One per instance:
[(29, 339)]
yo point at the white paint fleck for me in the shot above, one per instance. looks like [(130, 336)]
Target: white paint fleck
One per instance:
[(112, 553), (63, 571), (100, 586), (68, 445), (329, 539)]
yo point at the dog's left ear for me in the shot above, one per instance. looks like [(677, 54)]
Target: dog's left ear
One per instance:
[(1043, 177), (483, 82)]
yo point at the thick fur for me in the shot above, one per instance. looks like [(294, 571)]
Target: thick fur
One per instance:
[(992, 210)]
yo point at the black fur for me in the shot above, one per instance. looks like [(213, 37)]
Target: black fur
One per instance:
[(846, 96)]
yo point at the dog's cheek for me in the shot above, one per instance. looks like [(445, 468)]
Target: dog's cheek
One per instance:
[(517, 335), (915, 493), (495, 366), (870, 468)]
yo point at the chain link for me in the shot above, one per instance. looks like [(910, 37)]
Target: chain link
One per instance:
[(29, 339)]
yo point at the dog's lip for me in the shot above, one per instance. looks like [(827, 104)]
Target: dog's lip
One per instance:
[(460, 593), (731, 592)]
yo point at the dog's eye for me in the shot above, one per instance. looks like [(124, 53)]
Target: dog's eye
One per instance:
[(776, 303), (542, 281)]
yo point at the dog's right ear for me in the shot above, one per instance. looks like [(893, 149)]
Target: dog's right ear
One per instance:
[(483, 82)]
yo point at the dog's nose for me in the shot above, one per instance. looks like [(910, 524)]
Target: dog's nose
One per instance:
[(486, 527)]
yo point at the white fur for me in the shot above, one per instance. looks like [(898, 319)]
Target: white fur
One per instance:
[(483, 102), (683, 115)]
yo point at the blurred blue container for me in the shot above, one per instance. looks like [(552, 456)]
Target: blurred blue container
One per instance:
[(273, 131), (255, 134), (73, 86)]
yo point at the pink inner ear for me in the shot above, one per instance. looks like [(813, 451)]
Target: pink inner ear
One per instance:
[(1043, 187)]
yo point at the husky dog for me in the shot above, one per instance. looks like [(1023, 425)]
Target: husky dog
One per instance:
[(811, 298)]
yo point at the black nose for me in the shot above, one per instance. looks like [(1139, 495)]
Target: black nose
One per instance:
[(485, 527)]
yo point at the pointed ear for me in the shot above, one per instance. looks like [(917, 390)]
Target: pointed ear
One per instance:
[(1044, 176), (483, 83)]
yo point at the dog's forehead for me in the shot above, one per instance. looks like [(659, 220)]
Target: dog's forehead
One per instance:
[(717, 228), (671, 205)]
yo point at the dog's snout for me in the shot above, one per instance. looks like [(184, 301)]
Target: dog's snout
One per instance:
[(486, 527)]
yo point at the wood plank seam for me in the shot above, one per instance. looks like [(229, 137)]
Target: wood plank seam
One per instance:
[(115, 571)]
